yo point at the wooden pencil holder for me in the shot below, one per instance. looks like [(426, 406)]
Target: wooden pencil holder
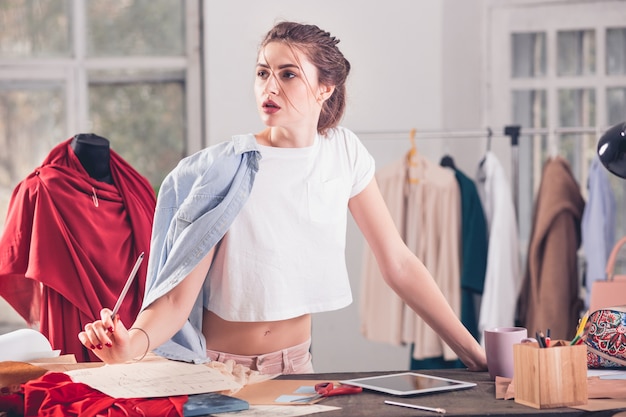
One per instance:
[(550, 377)]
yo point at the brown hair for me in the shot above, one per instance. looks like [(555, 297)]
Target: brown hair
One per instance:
[(321, 49)]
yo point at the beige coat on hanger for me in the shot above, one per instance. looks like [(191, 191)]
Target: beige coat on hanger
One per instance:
[(426, 211)]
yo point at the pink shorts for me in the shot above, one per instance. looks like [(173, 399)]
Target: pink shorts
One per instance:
[(294, 360)]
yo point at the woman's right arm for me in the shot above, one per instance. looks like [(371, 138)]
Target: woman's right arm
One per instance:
[(113, 342)]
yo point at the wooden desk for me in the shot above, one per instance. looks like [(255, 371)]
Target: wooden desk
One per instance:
[(477, 401)]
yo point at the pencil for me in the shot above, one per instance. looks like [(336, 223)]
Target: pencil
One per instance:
[(575, 340), (582, 322), (129, 281), (540, 340), (417, 407)]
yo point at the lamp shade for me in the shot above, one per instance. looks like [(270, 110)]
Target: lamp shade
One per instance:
[(612, 149)]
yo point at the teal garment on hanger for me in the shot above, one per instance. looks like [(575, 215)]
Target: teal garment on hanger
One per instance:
[(474, 237)]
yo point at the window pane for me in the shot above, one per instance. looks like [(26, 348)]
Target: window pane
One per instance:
[(616, 51), (579, 150), (529, 55), (27, 134), (616, 105), (144, 122), (576, 51), (34, 28), (530, 111), (577, 107), (135, 27), (530, 108)]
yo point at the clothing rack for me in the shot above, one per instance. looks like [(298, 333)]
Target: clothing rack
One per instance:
[(513, 132), (506, 131)]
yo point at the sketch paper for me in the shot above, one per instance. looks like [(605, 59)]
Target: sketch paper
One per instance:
[(25, 345), (161, 378), (280, 411)]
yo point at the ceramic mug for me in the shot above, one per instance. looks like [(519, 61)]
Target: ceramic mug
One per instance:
[(499, 343)]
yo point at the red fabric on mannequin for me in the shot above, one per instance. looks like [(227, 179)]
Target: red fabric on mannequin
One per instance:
[(74, 239)]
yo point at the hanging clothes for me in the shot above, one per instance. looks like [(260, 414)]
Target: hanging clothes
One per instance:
[(474, 244), (68, 245), (502, 277), (549, 298), (473, 265), (598, 225), (424, 201)]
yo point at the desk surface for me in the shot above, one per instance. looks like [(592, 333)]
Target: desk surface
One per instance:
[(478, 401)]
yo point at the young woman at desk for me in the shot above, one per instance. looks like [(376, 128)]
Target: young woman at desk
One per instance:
[(239, 281)]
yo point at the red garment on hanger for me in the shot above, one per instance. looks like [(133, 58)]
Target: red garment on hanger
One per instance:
[(54, 394), (69, 243)]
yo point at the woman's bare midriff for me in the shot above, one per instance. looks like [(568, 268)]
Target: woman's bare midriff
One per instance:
[(254, 338)]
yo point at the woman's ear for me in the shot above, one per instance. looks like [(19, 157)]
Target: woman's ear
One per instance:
[(325, 92)]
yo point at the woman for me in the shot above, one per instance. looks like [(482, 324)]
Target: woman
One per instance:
[(249, 235)]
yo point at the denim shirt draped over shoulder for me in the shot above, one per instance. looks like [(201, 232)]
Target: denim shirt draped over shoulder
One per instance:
[(197, 203)]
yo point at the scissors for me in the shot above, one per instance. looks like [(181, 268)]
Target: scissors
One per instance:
[(328, 389)]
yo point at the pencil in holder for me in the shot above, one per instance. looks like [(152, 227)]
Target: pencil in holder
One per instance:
[(550, 377)]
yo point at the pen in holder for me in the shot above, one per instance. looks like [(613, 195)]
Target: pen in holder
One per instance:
[(550, 377)]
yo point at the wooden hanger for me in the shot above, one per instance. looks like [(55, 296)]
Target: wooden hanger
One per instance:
[(411, 157)]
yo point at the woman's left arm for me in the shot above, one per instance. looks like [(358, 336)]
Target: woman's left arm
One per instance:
[(408, 276)]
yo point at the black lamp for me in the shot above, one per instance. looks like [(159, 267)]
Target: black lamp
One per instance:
[(612, 149)]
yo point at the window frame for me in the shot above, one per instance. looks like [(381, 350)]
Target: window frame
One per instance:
[(73, 70), (516, 16)]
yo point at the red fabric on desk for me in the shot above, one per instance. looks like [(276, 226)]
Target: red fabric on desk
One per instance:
[(69, 243), (55, 395), (12, 404)]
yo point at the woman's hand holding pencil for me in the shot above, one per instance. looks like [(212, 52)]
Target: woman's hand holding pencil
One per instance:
[(108, 338)]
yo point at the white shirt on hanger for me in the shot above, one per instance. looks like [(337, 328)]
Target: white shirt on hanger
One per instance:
[(503, 276)]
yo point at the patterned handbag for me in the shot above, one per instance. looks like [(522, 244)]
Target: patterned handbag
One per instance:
[(605, 337)]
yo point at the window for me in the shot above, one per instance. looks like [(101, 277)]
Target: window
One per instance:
[(127, 70), (565, 83)]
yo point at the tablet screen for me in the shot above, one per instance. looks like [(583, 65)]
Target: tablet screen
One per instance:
[(408, 383)]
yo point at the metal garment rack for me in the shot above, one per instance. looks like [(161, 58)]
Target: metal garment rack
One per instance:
[(513, 132)]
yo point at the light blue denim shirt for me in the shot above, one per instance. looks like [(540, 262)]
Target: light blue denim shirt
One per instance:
[(197, 203), (598, 225)]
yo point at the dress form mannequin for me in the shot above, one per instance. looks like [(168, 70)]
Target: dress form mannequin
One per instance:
[(93, 153), (83, 230)]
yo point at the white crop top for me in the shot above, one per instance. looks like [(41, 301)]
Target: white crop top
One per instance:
[(284, 254)]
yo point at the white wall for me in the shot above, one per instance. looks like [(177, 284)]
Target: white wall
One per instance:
[(392, 46), (416, 64)]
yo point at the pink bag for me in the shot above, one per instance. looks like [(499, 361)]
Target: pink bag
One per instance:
[(612, 290)]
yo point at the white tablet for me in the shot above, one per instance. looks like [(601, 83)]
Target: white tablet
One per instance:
[(408, 383)]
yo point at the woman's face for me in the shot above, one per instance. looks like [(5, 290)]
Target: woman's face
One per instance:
[(286, 87)]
